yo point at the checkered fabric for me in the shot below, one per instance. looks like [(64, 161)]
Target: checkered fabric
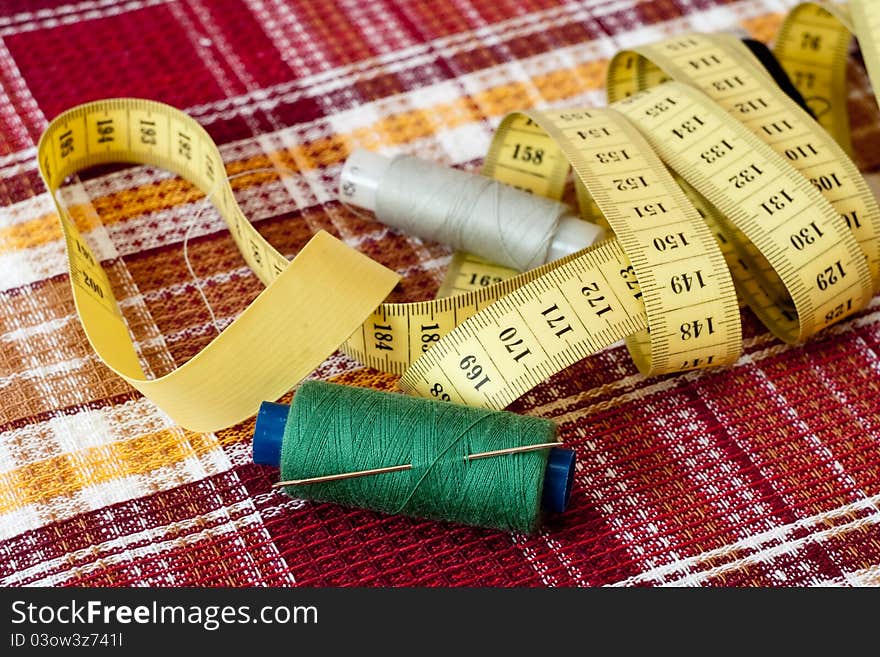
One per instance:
[(765, 473)]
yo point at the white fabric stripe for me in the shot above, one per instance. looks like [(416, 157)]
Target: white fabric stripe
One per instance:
[(55, 12), (76, 14), (218, 40), (774, 348), (69, 438), (627, 516), (821, 449), (757, 507), (270, 97), (870, 425), (758, 542), (181, 531), (280, 20), (705, 463), (398, 60), (381, 28), (557, 550), (535, 562), (25, 167), (869, 576), (20, 89), (47, 328), (26, 210), (822, 452), (19, 94), (202, 47), (48, 371), (270, 26), (13, 124), (18, 156), (106, 426), (786, 548)]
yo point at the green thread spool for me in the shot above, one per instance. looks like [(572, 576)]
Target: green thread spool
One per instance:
[(331, 429)]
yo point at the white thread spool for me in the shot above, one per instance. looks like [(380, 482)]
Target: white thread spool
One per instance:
[(469, 212)]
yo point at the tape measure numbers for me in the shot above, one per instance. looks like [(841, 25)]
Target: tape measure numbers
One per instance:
[(813, 48), (673, 255), (727, 72), (771, 208), (707, 147), (467, 272), (595, 300)]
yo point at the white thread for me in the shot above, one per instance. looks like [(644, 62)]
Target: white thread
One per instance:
[(194, 220), (195, 280), (363, 214), (469, 213)]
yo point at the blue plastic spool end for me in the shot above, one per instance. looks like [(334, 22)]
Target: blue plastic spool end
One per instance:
[(558, 479), (269, 433)]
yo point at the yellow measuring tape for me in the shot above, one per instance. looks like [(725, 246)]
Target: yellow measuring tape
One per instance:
[(671, 267), (315, 302), (756, 184), (707, 147), (812, 47), (725, 70)]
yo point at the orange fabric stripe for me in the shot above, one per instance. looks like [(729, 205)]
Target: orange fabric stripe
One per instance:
[(65, 474), (124, 204), (763, 28), (400, 128)]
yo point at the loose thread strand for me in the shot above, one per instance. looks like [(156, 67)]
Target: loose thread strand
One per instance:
[(207, 201)]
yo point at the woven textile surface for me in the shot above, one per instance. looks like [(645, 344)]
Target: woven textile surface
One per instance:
[(765, 473)]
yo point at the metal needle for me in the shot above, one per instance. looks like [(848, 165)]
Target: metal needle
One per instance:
[(408, 466)]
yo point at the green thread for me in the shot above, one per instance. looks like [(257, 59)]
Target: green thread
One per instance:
[(332, 429)]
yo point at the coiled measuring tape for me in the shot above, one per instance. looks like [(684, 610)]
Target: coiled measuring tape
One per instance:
[(713, 152), (783, 236), (800, 242), (722, 68), (600, 297), (813, 47)]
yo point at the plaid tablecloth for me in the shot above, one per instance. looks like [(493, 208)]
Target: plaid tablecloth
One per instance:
[(766, 473)]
